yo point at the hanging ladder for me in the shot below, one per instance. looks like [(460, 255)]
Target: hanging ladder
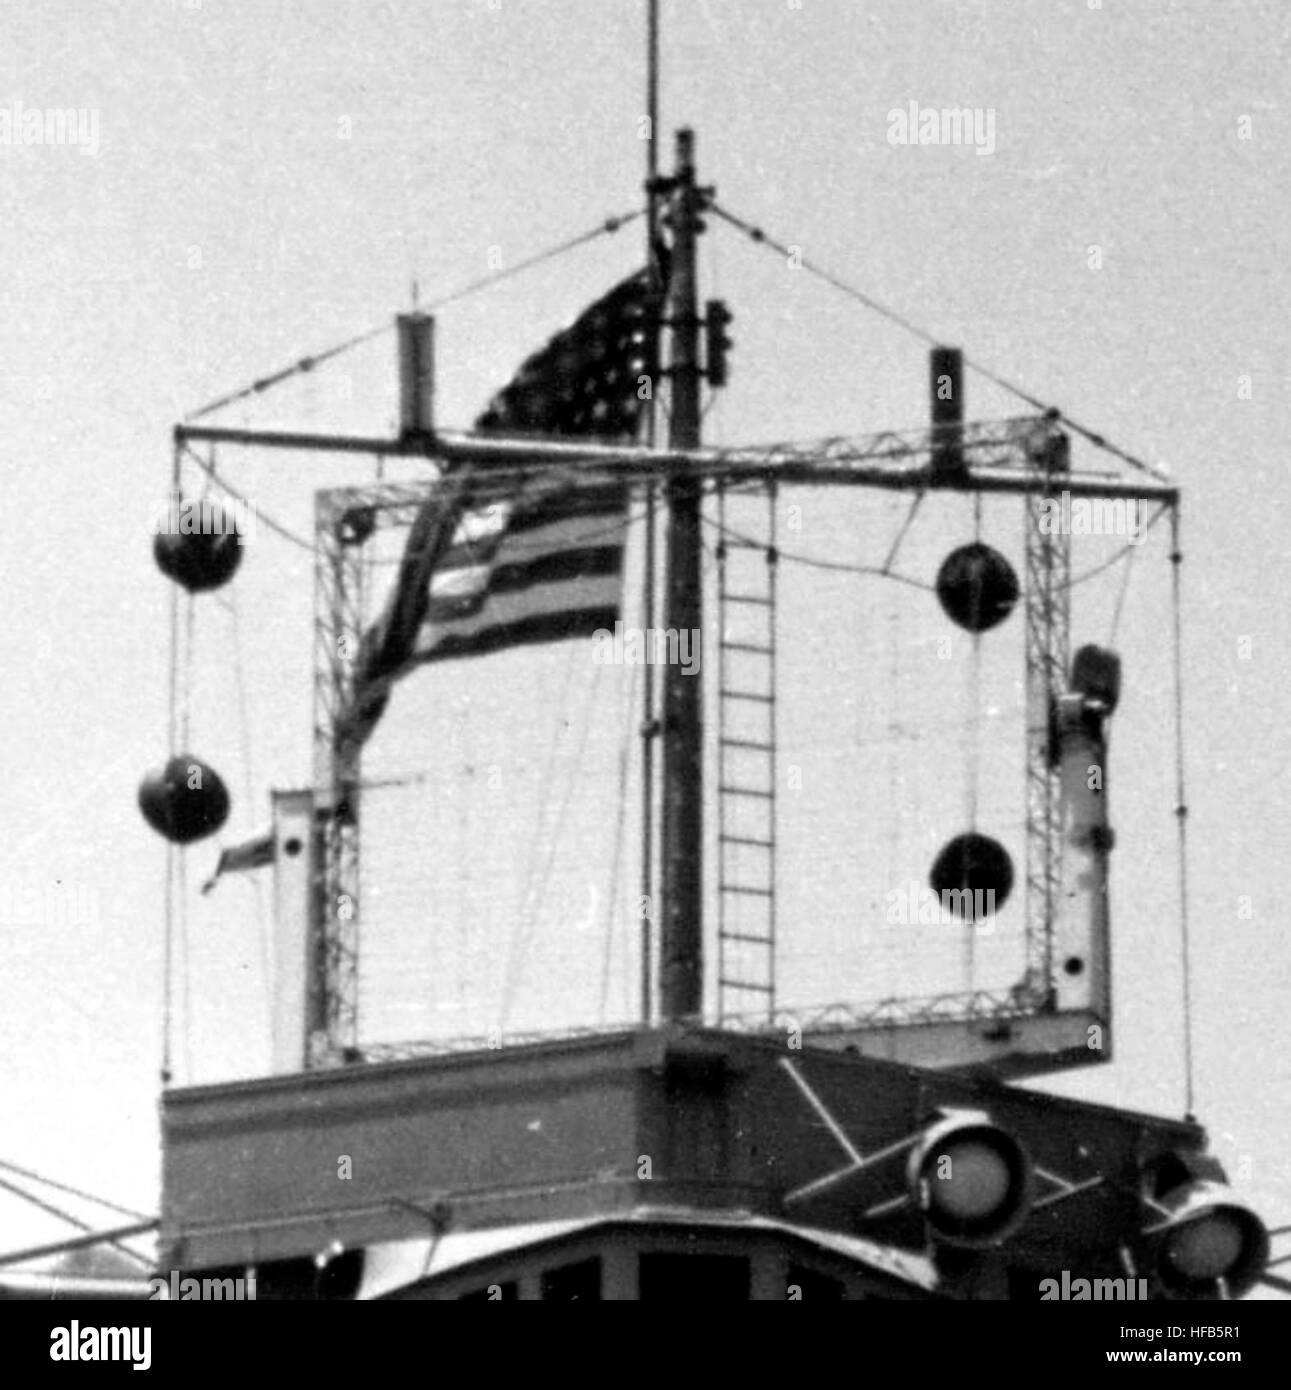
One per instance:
[(746, 682)]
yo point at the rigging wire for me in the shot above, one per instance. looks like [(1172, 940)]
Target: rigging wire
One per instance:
[(307, 364), (904, 529), (1126, 575), (960, 727), (168, 906), (465, 828), (1121, 554), (186, 682), (974, 746), (882, 572), (303, 364), (544, 791), (616, 855), (816, 563), (248, 783), (529, 925), (608, 226), (1181, 807), (70, 1190), (893, 730), (521, 928), (51, 1210), (209, 468), (185, 704), (756, 234), (185, 968)]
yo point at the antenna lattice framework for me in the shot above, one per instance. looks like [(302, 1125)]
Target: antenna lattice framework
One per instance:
[(332, 1020), (1048, 614)]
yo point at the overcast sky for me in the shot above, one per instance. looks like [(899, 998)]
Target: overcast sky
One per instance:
[(264, 180)]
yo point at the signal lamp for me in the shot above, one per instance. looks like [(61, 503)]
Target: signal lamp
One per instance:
[(1207, 1237), (972, 1180), (717, 317), (1096, 674)]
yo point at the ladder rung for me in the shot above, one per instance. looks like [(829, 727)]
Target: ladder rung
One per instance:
[(746, 890), (745, 840), (747, 598), (746, 743), (747, 647), (746, 791), (727, 983), (746, 937), (747, 695)]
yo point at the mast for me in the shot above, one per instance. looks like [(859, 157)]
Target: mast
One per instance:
[(649, 729), (681, 927)]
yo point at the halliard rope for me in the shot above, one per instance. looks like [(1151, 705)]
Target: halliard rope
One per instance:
[(307, 364), (852, 292)]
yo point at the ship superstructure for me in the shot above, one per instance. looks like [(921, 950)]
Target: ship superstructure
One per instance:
[(726, 1145), (749, 1132)]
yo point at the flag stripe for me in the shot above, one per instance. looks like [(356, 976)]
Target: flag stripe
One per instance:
[(587, 501), (564, 564), (526, 631), (463, 593), (555, 599), (535, 524)]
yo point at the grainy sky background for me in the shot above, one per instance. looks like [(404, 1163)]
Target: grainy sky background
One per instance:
[(270, 178)]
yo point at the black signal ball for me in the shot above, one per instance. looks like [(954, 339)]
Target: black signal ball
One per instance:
[(977, 587), (184, 801), (975, 864), (1096, 674), (203, 557)]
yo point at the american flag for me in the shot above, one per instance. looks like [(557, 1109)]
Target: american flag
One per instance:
[(541, 561)]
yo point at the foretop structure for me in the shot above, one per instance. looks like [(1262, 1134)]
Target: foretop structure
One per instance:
[(850, 1152)]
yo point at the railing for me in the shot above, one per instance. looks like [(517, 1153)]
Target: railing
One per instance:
[(974, 1006)]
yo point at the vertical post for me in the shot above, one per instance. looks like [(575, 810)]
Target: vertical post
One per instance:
[(681, 934), (946, 376), (416, 375), (295, 919), (1048, 602), (333, 933), (648, 730)]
